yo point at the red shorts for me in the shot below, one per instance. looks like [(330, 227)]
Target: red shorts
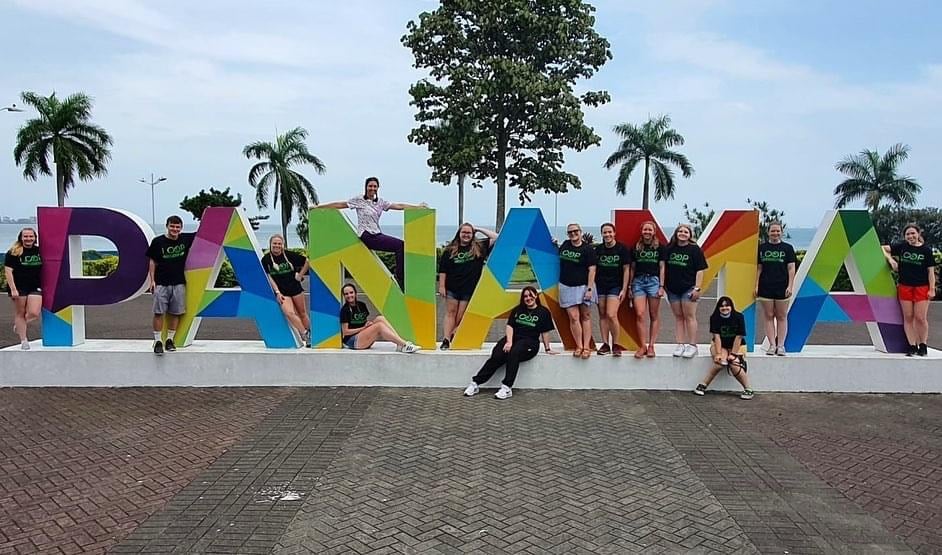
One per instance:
[(913, 293)]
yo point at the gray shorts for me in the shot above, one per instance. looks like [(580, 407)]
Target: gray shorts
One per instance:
[(575, 296), (170, 299)]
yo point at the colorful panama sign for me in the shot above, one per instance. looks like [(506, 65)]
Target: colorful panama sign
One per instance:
[(730, 243)]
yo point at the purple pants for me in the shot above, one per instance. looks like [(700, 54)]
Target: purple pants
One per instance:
[(386, 243)]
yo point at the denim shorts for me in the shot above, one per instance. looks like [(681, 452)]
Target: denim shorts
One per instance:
[(350, 342), (683, 297), (459, 296), (610, 291), (645, 286)]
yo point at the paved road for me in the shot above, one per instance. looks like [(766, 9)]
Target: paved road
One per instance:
[(361, 470)]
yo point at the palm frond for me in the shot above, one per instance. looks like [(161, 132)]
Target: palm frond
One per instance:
[(624, 174), (663, 180)]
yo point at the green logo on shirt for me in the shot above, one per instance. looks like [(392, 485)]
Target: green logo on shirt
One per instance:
[(646, 256), (31, 260), (174, 251), (570, 256), (528, 319), (358, 318), (610, 260), (281, 268), (773, 256), (912, 258), (463, 257), (678, 259)]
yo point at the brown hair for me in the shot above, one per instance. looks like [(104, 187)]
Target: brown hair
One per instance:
[(533, 290), (366, 184), (673, 241), (455, 244), (640, 246)]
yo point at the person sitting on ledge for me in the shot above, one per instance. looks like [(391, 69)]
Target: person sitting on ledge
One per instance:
[(916, 287), (359, 332), (286, 270), (369, 208), (727, 347), (527, 323), (459, 270)]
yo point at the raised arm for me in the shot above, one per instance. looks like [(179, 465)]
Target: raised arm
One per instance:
[(339, 204), (403, 206), (491, 235)]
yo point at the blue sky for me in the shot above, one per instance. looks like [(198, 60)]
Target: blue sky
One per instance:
[(768, 95)]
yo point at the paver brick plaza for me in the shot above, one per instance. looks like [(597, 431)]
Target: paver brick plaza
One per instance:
[(341, 470)]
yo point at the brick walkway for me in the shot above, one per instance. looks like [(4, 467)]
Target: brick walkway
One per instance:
[(413, 470)]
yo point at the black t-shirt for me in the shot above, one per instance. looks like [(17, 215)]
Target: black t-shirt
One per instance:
[(682, 265), (574, 263), (647, 261), (354, 317), (530, 323), (774, 259), (463, 270), (914, 263), (610, 265), (169, 255), (26, 268), (728, 328), (282, 269)]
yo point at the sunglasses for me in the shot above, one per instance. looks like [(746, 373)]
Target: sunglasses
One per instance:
[(573, 231)]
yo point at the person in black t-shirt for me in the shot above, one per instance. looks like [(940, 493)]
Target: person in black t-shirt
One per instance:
[(727, 346), (459, 270), (22, 267), (527, 324), (647, 280), (612, 275), (684, 264), (775, 280), (286, 270), (359, 332), (915, 262), (167, 280), (577, 267)]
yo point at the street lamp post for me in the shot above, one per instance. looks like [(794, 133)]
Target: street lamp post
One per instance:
[(11, 108), (153, 183)]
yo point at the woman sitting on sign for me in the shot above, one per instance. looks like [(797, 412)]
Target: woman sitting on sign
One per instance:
[(528, 323), (459, 270), (286, 270), (727, 347), (359, 332), (369, 208), (22, 266), (914, 261)]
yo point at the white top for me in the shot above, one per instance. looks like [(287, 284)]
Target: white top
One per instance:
[(368, 213)]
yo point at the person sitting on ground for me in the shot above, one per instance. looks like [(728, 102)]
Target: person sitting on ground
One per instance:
[(459, 270), (167, 280), (727, 347), (22, 267), (916, 287), (286, 270), (359, 332), (527, 324)]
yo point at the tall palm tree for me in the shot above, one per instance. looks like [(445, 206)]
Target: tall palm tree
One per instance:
[(874, 179), (64, 136), (275, 171), (651, 143)]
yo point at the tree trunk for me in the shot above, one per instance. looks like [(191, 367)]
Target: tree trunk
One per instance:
[(501, 177), (644, 201), (461, 178), (60, 186), (285, 216)]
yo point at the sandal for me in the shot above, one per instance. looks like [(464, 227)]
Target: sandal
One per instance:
[(586, 353), (577, 353), (651, 350)]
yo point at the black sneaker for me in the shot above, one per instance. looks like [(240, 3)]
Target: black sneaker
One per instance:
[(169, 346), (700, 390), (158, 348), (923, 350), (912, 351), (604, 349), (445, 344)]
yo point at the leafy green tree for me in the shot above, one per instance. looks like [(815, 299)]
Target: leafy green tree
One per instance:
[(63, 136), (767, 216), (275, 172), (875, 179), (651, 143), (507, 69), (455, 153), (699, 218), (197, 204)]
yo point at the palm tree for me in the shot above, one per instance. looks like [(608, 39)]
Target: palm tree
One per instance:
[(651, 143), (274, 170), (874, 179), (64, 136)]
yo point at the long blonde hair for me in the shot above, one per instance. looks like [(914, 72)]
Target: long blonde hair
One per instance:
[(640, 246), (17, 248)]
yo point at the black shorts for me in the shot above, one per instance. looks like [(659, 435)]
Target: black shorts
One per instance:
[(26, 292), (291, 291), (772, 292)]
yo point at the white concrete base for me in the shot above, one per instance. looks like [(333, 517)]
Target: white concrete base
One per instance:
[(128, 363)]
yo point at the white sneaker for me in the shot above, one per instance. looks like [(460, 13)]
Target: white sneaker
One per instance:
[(25, 345), (410, 348), (504, 393), (472, 389), (679, 351), (780, 351), (690, 351)]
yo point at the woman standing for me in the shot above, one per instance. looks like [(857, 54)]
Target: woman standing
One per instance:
[(369, 208), (359, 332), (916, 266), (22, 267), (459, 270), (286, 270), (528, 323), (612, 277), (577, 287), (684, 264), (775, 280), (647, 279), (728, 330)]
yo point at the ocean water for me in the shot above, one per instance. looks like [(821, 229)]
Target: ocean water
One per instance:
[(800, 237)]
